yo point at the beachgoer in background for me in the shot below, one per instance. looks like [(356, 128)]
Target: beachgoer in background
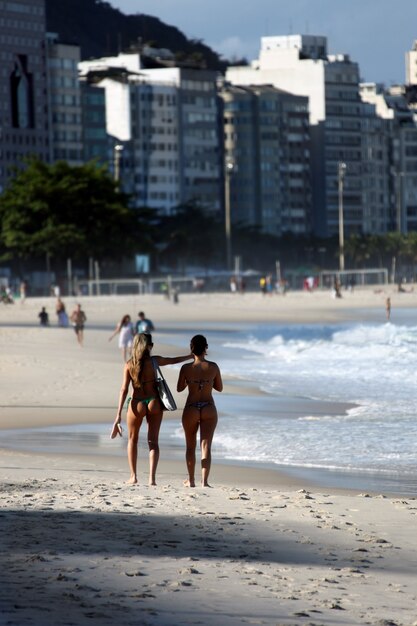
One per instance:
[(144, 325), (262, 284), (175, 295), (400, 286), (337, 288), (43, 317), (6, 295), (388, 308), (165, 290), (22, 289), (268, 284), (199, 285), (9, 295), (233, 284), (126, 332), (78, 319), (201, 377), (139, 372), (61, 313)]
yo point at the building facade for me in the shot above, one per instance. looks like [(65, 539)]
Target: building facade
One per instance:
[(64, 100), (267, 151), (394, 112), (95, 141), (24, 118), (166, 121), (378, 216), (301, 65)]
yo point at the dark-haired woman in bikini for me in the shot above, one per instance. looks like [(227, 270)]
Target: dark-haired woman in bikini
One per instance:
[(201, 377), (144, 402)]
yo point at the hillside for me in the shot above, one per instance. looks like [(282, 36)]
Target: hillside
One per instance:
[(102, 30)]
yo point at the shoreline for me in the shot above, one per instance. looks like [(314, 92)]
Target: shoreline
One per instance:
[(89, 443), (53, 401)]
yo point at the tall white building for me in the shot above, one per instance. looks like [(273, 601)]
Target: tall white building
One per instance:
[(167, 121), (411, 65), (300, 64)]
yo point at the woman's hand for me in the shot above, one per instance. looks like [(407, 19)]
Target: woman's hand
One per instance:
[(117, 428)]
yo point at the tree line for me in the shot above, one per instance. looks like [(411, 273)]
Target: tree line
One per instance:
[(62, 212)]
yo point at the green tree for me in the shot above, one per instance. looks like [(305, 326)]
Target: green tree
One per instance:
[(357, 249), (64, 211)]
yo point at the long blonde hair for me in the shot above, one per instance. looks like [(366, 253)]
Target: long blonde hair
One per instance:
[(140, 352)]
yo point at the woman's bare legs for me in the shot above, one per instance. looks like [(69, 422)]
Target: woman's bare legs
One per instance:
[(190, 422), (208, 423), (134, 421), (154, 417)]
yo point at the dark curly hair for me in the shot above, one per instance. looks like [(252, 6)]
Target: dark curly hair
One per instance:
[(198, 345)]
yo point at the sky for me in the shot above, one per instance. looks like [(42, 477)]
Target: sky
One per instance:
[(375, 33)]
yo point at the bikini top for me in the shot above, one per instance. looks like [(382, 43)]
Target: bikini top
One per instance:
[(143, 382), (200, 382)]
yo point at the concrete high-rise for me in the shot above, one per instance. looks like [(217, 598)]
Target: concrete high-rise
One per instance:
[(166, 121), (392, 107), (64, 100), (267, 148), (24, 124), (300, 64)]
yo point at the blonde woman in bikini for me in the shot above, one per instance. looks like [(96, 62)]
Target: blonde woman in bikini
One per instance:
[(144, 403), (201, 377)]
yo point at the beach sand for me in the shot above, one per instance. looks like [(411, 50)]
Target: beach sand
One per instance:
[(79, 546)]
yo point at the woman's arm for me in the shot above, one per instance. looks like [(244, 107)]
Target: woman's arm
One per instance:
[(217, 382), (117, 330), (182, 381), (123, 393), (165, 360)]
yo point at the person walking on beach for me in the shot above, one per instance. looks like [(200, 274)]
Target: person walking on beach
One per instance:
[(144, 403), (22, 289), (61, 313), (388, 308), (201, 377), (126, 332), (43, 317), (144, 325), (78, 319)]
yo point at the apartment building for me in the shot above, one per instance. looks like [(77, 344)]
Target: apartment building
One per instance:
[(95, 141), (64, 94), (267, 151), (393, 109), (378, 215), (24, 124), (301, 65), (166, 121)]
